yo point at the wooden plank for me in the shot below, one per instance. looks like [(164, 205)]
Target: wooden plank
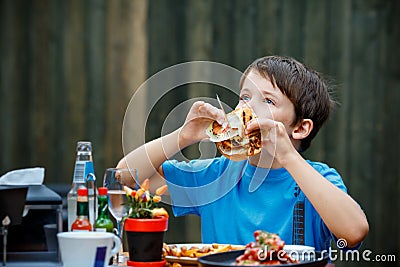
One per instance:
[(315, 44), (39, 85), (96, 62), (386, 149), (339, 69), (134, 74), (244, 34), (199, 41), (199, 37), (363, 172), (75, 75), (159, 56), (165, 22), (165, 26), (7, 67), (126, 69), (61, 161), (292, 28), (222, 50), (21, 103), (114, 84), (390, 142), (268, 27)]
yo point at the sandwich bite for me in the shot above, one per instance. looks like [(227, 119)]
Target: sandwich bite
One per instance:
[(230, 138)]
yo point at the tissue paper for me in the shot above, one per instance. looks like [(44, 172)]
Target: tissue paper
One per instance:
[(28, 176)]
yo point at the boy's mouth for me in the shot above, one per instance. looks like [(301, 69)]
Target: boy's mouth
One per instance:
[(231, 140)]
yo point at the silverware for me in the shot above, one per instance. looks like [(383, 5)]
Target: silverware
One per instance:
[(226, 117)]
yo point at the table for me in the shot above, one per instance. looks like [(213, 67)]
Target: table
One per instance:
[(34, 264)]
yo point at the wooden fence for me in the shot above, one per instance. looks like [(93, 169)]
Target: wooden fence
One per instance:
[(69, 69)]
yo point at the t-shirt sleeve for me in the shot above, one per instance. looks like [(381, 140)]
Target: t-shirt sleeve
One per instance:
[(334, 177), (190, 183)]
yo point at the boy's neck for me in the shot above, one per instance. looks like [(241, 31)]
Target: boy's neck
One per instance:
[(264, 160)]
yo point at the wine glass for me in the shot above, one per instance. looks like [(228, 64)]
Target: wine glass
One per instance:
[(115, 179)]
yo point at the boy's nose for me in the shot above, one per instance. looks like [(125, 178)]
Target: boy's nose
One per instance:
[(244, 105)]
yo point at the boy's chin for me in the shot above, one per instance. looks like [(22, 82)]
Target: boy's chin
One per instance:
[(236, 154)]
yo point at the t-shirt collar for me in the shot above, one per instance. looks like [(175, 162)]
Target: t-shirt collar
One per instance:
[(261, 173)]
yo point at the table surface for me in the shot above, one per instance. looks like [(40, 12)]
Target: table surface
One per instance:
[(39, 264), (34, 264)]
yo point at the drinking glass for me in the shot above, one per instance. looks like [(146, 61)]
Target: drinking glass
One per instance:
[(115, 179)]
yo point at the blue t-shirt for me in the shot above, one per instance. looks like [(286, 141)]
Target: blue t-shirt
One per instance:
[(218, 190)]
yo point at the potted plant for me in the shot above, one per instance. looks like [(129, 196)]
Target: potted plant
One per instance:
[(145, 226)]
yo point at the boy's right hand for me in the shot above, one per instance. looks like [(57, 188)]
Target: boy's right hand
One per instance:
[(200, 116)]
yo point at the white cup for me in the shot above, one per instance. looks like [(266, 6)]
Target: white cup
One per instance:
[(87, 249)]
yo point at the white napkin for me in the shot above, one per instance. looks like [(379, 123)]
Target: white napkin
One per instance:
[(28, 176)]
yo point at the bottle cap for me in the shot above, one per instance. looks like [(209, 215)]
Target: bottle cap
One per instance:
[(82, 192), (103, 191), (84, 146)]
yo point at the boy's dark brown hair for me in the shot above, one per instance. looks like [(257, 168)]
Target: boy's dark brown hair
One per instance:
[(305, 88)]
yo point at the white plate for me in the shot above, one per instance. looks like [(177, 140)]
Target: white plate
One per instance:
[(189, 260), (298, 248), (300, 252)]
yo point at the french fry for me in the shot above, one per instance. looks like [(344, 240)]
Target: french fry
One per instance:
[(191, 253), (223, 249), (196, 252)]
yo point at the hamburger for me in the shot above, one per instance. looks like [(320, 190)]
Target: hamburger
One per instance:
[(231, 139)]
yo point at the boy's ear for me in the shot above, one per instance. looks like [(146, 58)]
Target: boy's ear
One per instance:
[(302, 129)]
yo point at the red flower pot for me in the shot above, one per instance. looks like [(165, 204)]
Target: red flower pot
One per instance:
[(145, 240)]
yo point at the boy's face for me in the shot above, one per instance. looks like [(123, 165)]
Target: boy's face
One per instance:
[(266, 101)]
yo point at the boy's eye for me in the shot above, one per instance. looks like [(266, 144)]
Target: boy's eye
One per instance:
[(269, 101), (245, 98)]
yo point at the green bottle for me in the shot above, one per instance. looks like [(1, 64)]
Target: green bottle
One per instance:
[(103, 221)]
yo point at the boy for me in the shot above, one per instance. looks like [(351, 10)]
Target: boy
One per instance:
[(304, 202)]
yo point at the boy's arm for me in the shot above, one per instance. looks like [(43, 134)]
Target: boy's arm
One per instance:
[(148, 158), (341, 214)]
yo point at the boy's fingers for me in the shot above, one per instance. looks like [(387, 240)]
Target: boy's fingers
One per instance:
[(220, 118), (251, 126), (212, 112), (255, 124)]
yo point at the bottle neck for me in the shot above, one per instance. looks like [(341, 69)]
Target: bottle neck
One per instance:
[(103, 207), (82, 207), (84, 156)]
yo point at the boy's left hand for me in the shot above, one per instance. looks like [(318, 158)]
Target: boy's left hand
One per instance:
[(275, 138)]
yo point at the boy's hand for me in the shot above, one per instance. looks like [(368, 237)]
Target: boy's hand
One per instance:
[(200, 116), (275, 138)]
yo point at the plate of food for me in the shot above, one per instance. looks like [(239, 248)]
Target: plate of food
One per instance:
[(229, 259), (267, 249), (188, 254)]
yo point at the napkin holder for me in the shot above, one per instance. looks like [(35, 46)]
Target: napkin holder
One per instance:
[(12, 201)]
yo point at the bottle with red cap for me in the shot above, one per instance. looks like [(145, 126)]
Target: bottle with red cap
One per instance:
[(82, 222), (103, 221)]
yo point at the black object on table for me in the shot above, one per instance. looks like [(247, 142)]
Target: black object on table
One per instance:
[(12, 202), (27, 238)]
